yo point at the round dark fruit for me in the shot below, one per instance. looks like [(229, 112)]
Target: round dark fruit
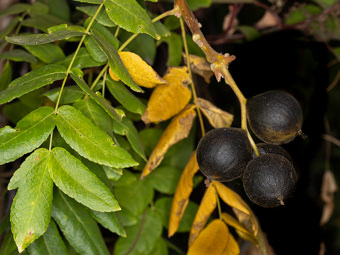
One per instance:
[(274, 116), (223, 153), (269, 180), (265, 148)]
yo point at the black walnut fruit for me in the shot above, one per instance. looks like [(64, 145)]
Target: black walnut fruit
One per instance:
[(223, 154), (269, 180), (274, 116)]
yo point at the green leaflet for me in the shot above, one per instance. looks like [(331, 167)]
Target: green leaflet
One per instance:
[(98, 99), (195, 4), (161, 248), (32, 205), (59, 8), (14, 9), (165, 179), (110, 221), (163, 207), (34, 39), (70, 94), (115, 62), (29, 134), (94, 50), (125, 97), (18, 55), (101, 18), (80, 230), (50, 243), (131, 16), (142, 237), (48, 53), (83, 60), (135, 196), (89, 140), (6, 76), (77, 181), (95, 113), (90, 1), (8, 245), (126, 127), (175, 46), (43, 22), (9, 27), (31, 81)]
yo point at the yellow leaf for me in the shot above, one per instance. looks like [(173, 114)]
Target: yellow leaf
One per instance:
[(140, 71), (178, 129), (200, 66), (182, 194), (212, 240), (232, 247), (168, 100), (231, 221), (207, 206), (247, 236), (216, 117), (231, 198), (249, 221)]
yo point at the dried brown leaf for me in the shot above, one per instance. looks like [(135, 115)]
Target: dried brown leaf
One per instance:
[(169, 99), (178, 129), (213, 240), (207, 206), (182, 194), (216, 117), (200, 66)]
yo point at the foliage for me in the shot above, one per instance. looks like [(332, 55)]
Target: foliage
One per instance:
[(105, 144)]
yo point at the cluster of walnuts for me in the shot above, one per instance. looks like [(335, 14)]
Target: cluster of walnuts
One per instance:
[(269, 178)]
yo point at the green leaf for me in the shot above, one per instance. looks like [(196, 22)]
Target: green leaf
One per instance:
[(249, 32), (50, 243), (77, 181), (16, 111), (99, 100), (83, 60), (296, 16), (131, 16), (115, 62), (18, 55), (175, 46), (163, 207), (195, 4), (126, 127), (32, 205), (103, 32), (34, 39), (161, 248), (101, 18), (135, 196), (126, 218), (89, 140), (33, 99), (14, 22), (29, 134), (142, 237), (8, 245), (70, 94), (43, 21), (59, 8), (90, 1), (94, 49), (150, 137), (6, 75), (125, 97), (31, 81), (95, 113), (326, 3), (109, 221), (143, 45), (165, 178), (47, 53), (78, 227), (127, 179), (38, 8), (14, 9)]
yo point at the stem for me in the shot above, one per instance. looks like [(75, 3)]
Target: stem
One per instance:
[(76, 53), (190, 74), (140, 230), (99, 76), (117, 31), (104, 82)]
